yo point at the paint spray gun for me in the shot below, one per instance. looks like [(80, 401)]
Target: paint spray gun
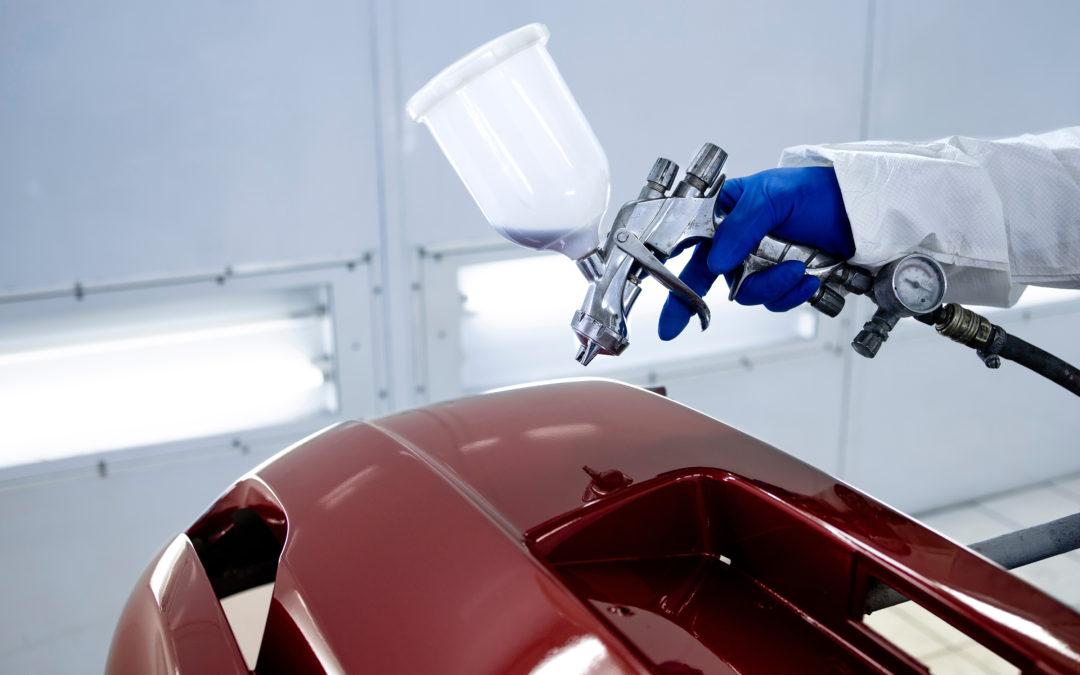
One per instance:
[(509, 125), (661, 222)]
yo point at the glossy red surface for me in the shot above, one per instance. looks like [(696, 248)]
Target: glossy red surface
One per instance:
[(468, 538), (173, 622)]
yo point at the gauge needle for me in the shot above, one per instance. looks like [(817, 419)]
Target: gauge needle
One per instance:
[(914, 284)]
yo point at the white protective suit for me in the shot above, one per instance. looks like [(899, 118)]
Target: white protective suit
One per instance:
[(999, 215)]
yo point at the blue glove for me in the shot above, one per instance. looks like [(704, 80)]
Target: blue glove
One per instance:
[(803, 205)]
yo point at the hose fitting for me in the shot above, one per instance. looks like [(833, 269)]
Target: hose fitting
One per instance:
[(992, 344), (964, 326)]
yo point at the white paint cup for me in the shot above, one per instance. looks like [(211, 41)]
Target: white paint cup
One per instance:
[(509, 125)]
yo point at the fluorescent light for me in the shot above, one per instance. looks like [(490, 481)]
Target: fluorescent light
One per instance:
[(515, 325), (81, 397), (141, 343)]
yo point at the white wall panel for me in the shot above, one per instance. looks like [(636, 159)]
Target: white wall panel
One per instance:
[(652, 79), (930, 425), (146, 139), (978, 68)]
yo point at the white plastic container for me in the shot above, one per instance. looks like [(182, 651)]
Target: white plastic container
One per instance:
[(513, 132)]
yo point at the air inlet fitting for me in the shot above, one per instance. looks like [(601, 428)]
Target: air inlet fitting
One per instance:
[(963, 325)]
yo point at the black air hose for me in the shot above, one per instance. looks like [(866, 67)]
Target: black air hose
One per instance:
[(992, 343), (1042, 362)]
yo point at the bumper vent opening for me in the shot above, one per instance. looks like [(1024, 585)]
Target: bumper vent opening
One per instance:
[(240, 555)]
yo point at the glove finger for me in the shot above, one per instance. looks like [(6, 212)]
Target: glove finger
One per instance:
[(728, 197), (771, 284), (676, 314), (740, 232), (802, 292)]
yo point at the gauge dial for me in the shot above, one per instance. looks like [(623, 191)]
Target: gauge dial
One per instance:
[(919, 283)]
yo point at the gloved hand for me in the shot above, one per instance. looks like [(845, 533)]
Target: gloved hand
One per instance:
[(803, 205)]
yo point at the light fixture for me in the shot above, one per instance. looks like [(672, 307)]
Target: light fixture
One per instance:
[(120, 380), (515, 325)]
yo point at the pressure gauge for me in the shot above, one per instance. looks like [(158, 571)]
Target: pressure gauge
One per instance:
[(910, 286)]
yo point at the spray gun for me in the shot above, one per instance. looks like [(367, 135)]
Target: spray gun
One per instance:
[(509, 125), (661, 222)]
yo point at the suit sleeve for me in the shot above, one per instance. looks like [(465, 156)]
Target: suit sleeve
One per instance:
[(998, 214)]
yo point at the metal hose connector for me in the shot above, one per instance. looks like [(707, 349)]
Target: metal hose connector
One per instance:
[(964, 326), (992, 344)]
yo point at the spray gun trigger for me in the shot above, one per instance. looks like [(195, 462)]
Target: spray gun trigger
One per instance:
[(738, 276), (633, 247)]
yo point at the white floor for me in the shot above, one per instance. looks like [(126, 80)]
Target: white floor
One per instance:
[(944, 649)]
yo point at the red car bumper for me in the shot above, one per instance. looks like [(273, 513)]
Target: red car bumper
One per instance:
[(467, 538)]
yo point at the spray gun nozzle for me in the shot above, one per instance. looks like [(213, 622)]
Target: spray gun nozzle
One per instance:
[(596, 338), (587, 352)]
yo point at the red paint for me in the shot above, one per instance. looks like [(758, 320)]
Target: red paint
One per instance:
[(456, 539), (173, 623)]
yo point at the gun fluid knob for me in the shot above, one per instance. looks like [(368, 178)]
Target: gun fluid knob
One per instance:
[(663, 174)]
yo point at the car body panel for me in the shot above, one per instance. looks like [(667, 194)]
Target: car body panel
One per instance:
[(595, 527)]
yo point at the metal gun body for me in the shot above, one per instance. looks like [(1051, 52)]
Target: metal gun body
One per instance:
[(646, 232), (657, 225)]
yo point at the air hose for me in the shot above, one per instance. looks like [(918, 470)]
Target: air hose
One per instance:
[(992, 343)]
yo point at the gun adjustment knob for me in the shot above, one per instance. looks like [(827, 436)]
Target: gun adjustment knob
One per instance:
[(663, 174), (707, 163)]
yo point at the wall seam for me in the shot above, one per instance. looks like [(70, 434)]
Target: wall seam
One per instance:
[(392, 291), (868, 71), (847, 381)]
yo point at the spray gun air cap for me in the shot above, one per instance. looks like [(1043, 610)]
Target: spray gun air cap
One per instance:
[(512, 130)]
